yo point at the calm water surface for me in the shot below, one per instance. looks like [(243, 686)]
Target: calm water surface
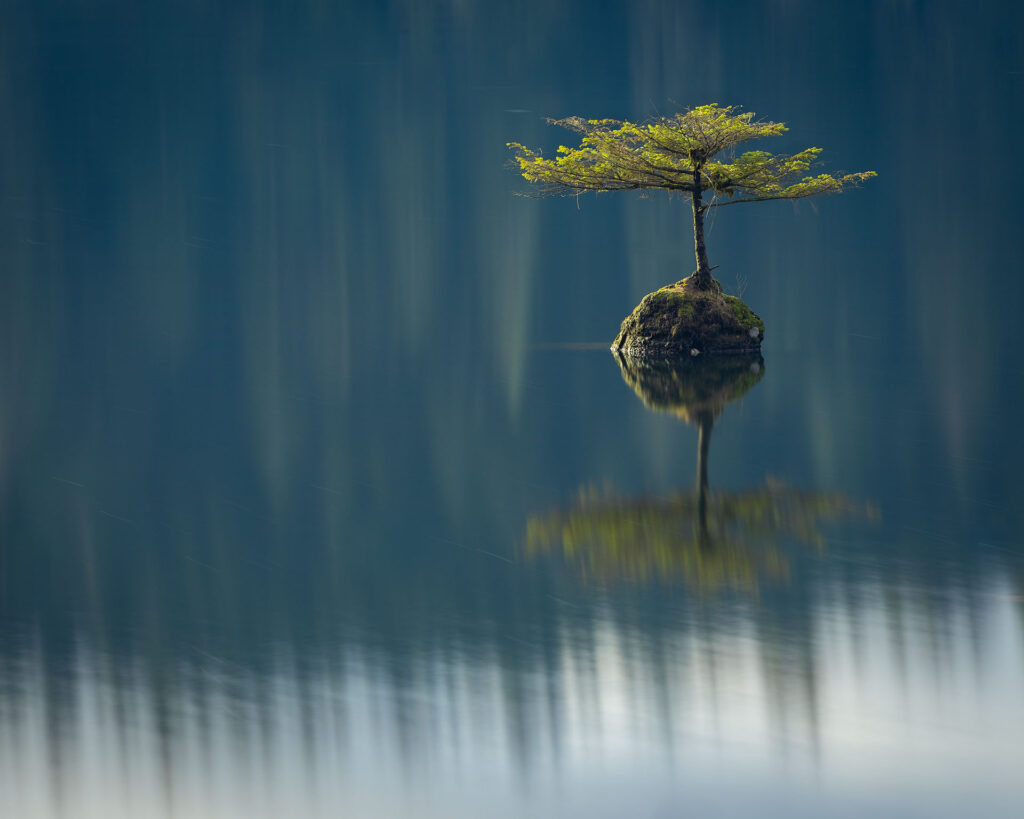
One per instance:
[(321, 495)]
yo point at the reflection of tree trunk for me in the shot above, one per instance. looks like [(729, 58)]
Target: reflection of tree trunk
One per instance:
[(705, 421)]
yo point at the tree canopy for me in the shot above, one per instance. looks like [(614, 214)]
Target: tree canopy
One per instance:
[(679, 153)]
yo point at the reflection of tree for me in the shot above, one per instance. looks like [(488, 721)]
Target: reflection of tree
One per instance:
[(727, 540), (696, 391), (712, 540)]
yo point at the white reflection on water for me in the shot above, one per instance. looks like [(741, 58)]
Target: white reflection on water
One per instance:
[(912, 714)]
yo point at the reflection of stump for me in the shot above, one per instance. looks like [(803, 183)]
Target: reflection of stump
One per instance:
[(679, 320), (692, 386)]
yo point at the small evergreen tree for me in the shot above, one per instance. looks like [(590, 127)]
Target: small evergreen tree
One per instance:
[(680, 154)]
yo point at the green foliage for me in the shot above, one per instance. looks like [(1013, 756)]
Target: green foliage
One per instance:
[(679, 153)]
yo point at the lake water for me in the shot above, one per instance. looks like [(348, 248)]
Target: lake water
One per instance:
[(322, 495)]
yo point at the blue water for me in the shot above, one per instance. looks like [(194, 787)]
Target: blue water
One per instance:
[(290, 381)]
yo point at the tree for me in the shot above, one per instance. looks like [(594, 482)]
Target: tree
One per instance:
[(679, 154)]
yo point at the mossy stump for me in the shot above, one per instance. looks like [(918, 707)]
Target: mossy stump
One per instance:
[(684, 320)]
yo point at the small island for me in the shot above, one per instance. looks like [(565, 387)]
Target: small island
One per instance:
[(690, 153), (685, 319)]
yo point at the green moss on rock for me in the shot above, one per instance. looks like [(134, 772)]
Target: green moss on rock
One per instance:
[(678, 319)]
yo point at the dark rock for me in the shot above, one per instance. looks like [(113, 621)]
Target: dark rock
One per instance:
[(682, 320)]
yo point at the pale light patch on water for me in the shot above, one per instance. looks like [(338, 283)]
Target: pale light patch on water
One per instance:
[(869, 714)]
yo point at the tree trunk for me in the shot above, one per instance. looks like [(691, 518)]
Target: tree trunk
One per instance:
[(702, 279)]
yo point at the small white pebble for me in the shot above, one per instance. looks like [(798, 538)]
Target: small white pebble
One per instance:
[(755, 332), (694, 351)]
